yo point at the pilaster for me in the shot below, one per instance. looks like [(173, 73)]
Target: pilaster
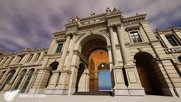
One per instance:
[(64, 52), (134, 84)]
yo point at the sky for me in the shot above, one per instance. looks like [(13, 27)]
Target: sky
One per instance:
[(30, 23)]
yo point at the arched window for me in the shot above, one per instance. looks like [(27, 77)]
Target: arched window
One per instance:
[(9, 77), (30, 74), (21, 75), (179, 58)]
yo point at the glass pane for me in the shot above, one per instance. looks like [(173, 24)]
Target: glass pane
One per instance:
[(11, 74), (19, 81), (59, 47), (104, 80)]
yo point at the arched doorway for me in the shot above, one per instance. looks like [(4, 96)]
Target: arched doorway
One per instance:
[(93, 49), (149, 73), (100, 79)]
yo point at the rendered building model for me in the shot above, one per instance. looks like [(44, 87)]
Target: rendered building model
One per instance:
[(100, 53)]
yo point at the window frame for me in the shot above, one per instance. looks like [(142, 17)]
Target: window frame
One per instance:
[(58, 49), (174, 39), (139, 35)]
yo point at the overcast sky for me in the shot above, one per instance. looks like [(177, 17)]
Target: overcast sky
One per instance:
[(30, 23)]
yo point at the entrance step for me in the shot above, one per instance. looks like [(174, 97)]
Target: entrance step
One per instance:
[(99, 93)]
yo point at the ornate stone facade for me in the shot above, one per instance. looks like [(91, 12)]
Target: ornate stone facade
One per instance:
[(136, 60)]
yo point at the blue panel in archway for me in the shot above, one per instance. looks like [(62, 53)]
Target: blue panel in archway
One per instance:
[(104, 80)]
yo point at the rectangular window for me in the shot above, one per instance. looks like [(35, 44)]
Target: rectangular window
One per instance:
[(135, 36), (59, 47), (173, 40)]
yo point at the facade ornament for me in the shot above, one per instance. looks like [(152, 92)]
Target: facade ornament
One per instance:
[(108, 10), (93, 13), (115, 10), (71, 20), (77, 19)]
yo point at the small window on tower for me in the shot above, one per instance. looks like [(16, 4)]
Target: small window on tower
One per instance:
[(59, 47), (135, 36)]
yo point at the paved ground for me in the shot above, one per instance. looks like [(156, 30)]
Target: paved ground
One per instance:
[(89, 98)]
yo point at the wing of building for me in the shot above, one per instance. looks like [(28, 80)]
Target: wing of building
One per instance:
[(99, 54)]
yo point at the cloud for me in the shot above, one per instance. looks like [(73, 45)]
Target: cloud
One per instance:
[(30, 23)]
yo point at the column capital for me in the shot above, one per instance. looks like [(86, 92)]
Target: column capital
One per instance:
[(115, 25)]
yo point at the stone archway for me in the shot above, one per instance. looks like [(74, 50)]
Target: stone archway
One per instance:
[(149, 73), (86, 46), (95, 51), (96, 59)]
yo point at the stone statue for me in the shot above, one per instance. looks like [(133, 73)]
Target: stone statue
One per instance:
[(115, 10), (108, 10)]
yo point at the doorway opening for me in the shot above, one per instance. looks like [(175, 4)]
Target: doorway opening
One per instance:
[(149, 73), (100, 78), (94, 76)]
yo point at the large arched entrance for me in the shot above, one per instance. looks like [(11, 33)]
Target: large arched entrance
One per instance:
[(100, 79), (96, 54), (149, 73)]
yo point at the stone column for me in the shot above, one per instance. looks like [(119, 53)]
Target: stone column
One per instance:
[(120, 30), (68, 60), (134, 84), (119, 83), (33, 58), (40, 57), (14, 60), (113, 45), (64, 53), (25, 58), (8, 61), (3, 61)]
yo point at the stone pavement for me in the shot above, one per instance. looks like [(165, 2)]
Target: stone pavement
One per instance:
[(89, 98)]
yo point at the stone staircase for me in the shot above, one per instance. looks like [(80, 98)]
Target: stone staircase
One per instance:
[(99, 93)]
